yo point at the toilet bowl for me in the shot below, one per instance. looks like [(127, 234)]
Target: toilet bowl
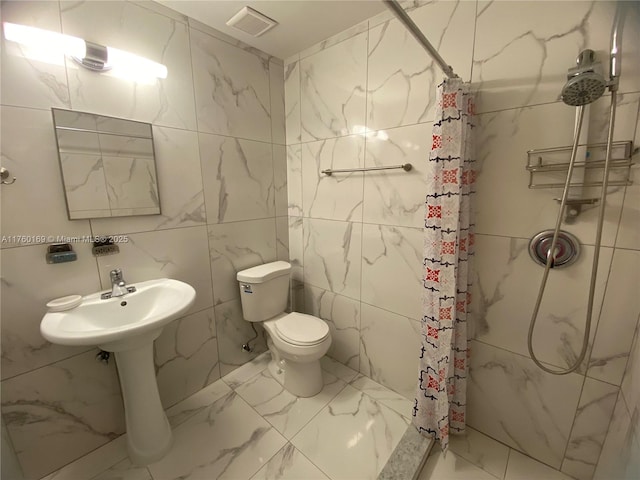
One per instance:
[(296, 341)]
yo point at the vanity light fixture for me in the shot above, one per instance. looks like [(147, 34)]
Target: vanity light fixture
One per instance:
[(48, 46)]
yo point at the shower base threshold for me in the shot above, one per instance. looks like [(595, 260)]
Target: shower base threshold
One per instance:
[(408, 457)]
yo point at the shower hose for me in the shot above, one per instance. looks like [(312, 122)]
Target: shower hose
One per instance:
[(596, 251)]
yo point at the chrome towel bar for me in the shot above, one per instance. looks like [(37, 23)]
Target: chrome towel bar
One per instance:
[(405, 166)]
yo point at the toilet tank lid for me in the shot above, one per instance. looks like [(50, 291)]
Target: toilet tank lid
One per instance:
[(262, 273)]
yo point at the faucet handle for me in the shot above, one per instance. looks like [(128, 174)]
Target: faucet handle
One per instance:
[(115, 274)]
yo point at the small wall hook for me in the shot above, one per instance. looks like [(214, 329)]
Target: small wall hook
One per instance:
[(4, 175)]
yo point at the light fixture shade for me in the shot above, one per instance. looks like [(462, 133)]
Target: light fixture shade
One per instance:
[(44, 43), (50, 47), (133, 65)]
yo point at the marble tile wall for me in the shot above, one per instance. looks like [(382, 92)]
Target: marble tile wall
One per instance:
[(221, 163), (367, 97), (619, 457)]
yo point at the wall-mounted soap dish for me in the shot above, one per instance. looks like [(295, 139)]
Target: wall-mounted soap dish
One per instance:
[(105, 247), (60, 253)]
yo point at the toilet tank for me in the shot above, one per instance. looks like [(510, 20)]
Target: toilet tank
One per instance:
[(264, 290)]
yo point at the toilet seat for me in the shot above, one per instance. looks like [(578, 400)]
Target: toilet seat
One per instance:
[(300, 329)]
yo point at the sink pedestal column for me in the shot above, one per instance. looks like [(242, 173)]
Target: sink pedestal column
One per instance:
[(148, 430)]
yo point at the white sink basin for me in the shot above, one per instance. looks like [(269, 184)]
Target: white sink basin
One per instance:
[(100, 322), (127, 326)]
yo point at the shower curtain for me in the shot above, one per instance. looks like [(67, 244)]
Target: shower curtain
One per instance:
[(440, 404)]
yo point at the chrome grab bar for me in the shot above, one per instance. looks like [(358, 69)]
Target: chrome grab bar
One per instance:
[(405, 166)]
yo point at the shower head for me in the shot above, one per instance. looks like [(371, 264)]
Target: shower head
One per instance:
[(584, 88), (584, 82)]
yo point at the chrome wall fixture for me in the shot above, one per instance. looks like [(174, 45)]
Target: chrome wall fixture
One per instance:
[(566, 251), (96, 57), (543, 161), (4, 177), (405, 166)]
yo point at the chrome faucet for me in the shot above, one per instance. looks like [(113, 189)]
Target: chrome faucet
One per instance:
[(118, 285)]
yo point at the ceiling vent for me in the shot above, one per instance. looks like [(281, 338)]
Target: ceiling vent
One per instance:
[(252, 22)]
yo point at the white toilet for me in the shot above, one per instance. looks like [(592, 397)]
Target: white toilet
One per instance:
[(297, 341)]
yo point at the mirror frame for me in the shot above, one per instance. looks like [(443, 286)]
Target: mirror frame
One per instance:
[(97, 131)]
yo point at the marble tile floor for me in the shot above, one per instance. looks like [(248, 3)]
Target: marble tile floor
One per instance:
[(246, 426)]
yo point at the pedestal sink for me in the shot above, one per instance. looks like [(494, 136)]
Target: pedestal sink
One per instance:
[(128, 325)]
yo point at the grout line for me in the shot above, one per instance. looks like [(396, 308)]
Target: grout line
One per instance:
[(540, 462), (50, 363), (361, 392), (324, 48), (310, 461), (626, 188), (172, 15), (516, 108), (506, 465), (324, 407), (363, 178), (284, 390), (298, 105), (270, 104), (271, 427), (202, 159), (250, 378), (359, 300), (59, 471), (246, 139), (218, 35), (297, 147), (527, 357), (160, 230), (88, 350), (66, 70), (629, 411), (208, 225), (573, 424), (473, 47), (517, 237), (628, 366), (608, 427), (605, 289)]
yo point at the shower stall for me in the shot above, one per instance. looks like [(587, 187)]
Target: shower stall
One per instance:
[(585, 84), (556, 248)]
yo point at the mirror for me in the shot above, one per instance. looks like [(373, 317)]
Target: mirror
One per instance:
[(107, 164)]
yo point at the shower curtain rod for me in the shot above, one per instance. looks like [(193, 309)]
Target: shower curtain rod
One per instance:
[(399, 12)]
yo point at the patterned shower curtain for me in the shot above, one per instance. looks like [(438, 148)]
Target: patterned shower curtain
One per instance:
[(440, 404)]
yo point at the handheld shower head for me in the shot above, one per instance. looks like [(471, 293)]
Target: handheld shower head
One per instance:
[(582, 89), (585, 84)]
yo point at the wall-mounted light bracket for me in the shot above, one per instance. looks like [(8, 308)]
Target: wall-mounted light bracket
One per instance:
[(95, 57)]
